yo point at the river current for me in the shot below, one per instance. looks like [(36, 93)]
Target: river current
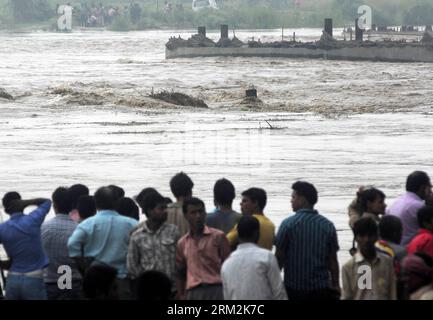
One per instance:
[(82, 115)]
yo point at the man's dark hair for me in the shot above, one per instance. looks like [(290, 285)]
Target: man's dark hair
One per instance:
[(248, 227), (368, 195), (256, 195), (143, 193), (105, 199), (8, 198), (365, 227), (61, 200), (86, 207), (118, 192), (127, 207), (98, 281), (153, 286), (181, 185), (224, 192), (390, 229), (192, 202), (425, 215), (306, 190), (151, 201), (416, 180), (75, 192)]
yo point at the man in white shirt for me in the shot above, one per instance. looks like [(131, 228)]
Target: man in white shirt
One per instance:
[(251, 273)]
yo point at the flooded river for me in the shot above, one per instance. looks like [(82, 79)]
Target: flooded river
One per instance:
[(82, 115)]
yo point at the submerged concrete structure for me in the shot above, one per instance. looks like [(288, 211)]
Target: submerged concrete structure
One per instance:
[(326, 48), (409, 53)]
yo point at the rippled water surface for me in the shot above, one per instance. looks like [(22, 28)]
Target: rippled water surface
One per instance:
[(82, 115)]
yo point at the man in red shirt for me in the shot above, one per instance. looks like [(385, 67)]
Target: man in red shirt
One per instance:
[(199, 256), (423, 241)]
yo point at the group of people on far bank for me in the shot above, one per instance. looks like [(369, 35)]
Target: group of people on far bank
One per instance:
[(96, 247)]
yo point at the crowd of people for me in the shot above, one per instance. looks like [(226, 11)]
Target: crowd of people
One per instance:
[(96, 248), (101, 16), (98, 15)]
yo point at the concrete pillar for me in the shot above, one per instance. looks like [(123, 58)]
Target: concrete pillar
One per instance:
[(202, 31), (224, 31), (359, 33), (328, 26)]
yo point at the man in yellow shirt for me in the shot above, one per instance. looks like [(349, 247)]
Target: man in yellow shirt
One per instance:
[(252, 204)]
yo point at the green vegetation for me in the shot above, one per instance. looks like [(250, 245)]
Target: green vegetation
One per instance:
[(262, 14)]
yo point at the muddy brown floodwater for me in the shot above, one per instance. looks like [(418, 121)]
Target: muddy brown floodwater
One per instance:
[(82, 114)]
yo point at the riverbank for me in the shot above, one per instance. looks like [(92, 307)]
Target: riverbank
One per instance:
[(242, 17), (237, 13)]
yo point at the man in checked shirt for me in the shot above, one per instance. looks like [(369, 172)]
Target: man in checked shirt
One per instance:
[(153, 245)]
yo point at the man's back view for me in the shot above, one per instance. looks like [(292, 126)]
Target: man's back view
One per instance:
[(181, 186), (251, 272), (418, 189), (307, 248), (105, 236)]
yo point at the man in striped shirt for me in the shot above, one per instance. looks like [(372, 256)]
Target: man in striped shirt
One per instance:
[(153, 245), (307, 249)]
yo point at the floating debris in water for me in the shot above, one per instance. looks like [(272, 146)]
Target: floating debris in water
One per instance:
[(80, 94), (5, 95), (179, 99), (252, 102), (82, 98)]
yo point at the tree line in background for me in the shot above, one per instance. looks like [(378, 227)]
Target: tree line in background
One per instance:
[(236, 13)]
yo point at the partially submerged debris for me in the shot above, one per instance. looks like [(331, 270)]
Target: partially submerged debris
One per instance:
[(251, 102), (326, 37), (196, 40), (199, 40), (236, 42), (229, 43), (82, 98), (5, 95), (267, 126), (106, 95), (179, 99), (326, 42)]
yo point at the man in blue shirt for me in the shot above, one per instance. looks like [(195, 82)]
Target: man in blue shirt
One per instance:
[(307, 249), (105, 238), (21, 238)]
